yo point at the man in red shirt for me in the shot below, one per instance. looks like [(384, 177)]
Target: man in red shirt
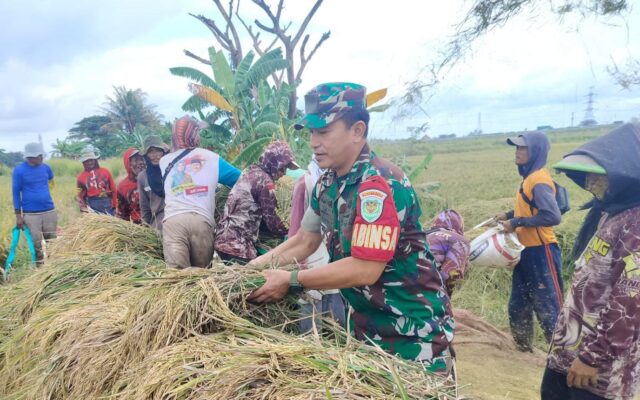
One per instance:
[(96, 189)]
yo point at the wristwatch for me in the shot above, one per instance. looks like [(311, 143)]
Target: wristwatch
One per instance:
[(295, 287)]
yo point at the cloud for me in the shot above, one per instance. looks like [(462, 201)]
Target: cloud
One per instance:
[(60, 59)]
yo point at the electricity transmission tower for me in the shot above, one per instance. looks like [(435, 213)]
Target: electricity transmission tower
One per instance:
[(589, 119)]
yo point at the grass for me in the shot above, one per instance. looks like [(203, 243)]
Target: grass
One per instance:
[(64, 192), (478, 178)]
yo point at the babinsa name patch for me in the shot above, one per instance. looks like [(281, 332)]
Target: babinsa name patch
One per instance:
[(379, 237), (376, 227)]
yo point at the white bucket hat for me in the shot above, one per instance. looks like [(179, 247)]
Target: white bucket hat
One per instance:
[(89, 155), (33, 150)]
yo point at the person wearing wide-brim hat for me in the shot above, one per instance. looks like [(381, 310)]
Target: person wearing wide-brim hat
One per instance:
[(594, 351), (150, 185), (96, 188), (32, 182)]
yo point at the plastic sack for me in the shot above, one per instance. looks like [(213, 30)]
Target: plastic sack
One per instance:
[(496, 248), (15, 239)]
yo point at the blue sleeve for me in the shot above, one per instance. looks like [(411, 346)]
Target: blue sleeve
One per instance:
[(227, 173), (16, 186), (548, 211), (49, 172)]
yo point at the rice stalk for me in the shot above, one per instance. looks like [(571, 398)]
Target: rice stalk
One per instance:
[(79, 275), (77, 342), (284, 192), (107, 234), (261, 363)]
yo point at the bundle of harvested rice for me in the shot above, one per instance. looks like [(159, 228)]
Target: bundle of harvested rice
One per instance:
[(80, 275), (52, 355), (284, 192), (222, 193), (105, 234), (133, 329), (77, 342), (262, 363)]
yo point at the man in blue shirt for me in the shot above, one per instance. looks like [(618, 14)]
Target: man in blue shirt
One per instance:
[(32, 182)]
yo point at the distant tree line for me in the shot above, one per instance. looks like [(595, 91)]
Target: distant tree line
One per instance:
[(125, 119)]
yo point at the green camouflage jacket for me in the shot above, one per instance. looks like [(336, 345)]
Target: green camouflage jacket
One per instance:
[(407, 311)]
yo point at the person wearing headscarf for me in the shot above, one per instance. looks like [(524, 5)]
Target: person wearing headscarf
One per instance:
[(150, 187), (188, 224), (537, 278), (319, 303), (252, 203), (96, 189), (449, 247), (595, 353), (128, 195)]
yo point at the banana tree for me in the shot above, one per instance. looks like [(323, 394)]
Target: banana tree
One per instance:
[(245, 107)]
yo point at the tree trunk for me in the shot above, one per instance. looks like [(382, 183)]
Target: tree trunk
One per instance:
[(291, 78)]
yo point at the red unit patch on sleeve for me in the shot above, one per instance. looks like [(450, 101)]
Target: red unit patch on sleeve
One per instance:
[(376, 229)]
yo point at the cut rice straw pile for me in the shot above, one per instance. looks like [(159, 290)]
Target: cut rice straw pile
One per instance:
[(120, 325), (264, 364), (107, 234)]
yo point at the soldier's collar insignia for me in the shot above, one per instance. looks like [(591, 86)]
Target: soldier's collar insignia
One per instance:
[(371, 204)]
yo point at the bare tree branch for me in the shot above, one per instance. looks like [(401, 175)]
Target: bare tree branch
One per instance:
[(276, 30), (195, 57), (230, 40), (304, 60), (306, 21), (221, 37), (255, 37), (627, 76), (236, 51)]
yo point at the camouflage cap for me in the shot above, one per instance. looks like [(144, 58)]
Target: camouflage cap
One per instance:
[(328, 102)]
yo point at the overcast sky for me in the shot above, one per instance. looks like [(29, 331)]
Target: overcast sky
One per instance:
[(59, 59)]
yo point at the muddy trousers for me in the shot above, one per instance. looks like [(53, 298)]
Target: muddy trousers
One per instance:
[(187, 241), (554, 387), (536, 287), (42, 225)]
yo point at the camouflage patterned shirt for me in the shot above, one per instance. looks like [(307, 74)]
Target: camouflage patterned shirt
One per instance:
[(406, 312), (252, 203), (600, 321)]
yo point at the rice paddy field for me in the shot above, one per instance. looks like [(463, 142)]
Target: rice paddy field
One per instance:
[(105, 319)]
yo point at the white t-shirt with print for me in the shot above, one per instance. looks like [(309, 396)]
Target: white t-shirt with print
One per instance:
[(190, 186)]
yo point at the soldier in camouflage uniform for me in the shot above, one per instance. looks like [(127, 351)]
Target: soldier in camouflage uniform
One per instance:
[(252, 202), (367, 214)]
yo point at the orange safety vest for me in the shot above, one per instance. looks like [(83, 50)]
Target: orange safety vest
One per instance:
[(533, 236)]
